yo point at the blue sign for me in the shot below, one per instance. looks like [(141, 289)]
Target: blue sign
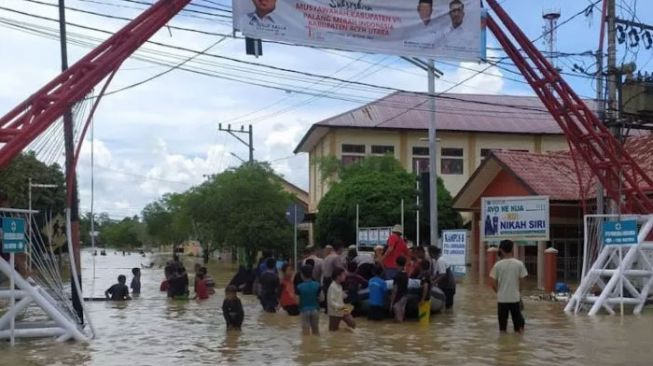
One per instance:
[(620, 232), (13, 235), (295, 214)]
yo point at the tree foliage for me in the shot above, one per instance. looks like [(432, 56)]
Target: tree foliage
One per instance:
[(377, 185), (242, 207), (14, 181)]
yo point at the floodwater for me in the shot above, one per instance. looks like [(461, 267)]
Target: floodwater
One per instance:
[(153, 330)]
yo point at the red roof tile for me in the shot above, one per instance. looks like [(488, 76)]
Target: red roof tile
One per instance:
[(554, 174)]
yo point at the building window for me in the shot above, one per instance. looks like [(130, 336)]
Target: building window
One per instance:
[(420, 151), (353, 149), (383, 149), (351, 159), (451, 161)]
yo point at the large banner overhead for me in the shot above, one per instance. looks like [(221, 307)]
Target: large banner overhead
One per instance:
[(422, 28)]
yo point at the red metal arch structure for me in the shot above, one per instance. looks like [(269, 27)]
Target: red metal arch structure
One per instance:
[(625, 182)]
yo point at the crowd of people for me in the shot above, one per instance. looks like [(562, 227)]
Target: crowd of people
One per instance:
[(334, 279)]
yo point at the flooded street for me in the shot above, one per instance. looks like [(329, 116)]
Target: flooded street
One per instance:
[(153, 330)]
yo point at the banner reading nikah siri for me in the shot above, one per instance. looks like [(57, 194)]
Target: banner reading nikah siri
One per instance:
[(515, 218), (422, 28)]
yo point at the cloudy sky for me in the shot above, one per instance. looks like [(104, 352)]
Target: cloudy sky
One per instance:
[(162, 135)]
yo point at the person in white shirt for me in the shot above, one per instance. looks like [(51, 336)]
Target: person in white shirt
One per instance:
[(442, 276), (506, 276), (336, 307)]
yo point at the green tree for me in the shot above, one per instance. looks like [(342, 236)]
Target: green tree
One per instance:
[(14, 184), (125, 234), (377, 185), (243, 208)]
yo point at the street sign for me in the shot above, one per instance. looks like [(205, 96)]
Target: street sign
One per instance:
[(620, 232), (13, 235), (290, 214)]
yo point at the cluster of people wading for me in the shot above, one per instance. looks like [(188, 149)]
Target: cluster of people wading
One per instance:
[(348, 284)]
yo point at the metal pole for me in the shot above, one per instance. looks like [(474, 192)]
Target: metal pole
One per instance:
[(613, 113), (600, 194), (12, 301), (251, 144), (417, 204), (433, 178), (402, 213), (29, 225), (357, 228), (69, 143), (295, 236)]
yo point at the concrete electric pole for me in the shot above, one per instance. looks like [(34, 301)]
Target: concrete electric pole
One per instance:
[(250, 140)]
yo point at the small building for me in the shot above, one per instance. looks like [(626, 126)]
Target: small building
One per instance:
[(511, 173)]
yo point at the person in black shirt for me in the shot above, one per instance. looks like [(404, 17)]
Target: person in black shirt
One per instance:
[(119, 291), (270, 287), (232, 309), (399, 296), (178, 288)]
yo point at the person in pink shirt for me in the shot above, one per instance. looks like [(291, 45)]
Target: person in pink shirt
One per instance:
[(396, 247)]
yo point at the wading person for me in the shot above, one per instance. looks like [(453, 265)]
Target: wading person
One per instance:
[(443, 276), (136, 281), (119, 291), (309, 302), (232, 309), (396, 248), (336, 307), (288, 297), (269, 287), (506, 276), (399, 296), (378, 289), (332, 261)]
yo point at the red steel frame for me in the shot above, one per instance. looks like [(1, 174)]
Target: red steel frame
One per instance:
[(28, 120), (624, 181), (588, 137)]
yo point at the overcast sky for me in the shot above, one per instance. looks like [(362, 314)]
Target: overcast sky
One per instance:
[(162, 136)]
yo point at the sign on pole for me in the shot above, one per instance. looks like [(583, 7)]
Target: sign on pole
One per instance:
[(13, 235), (449, 29), (515, 218), (454, 247), (369, 237), (620, 232)]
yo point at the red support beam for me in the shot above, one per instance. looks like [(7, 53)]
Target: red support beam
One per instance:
[(29, 119), (625, 181)]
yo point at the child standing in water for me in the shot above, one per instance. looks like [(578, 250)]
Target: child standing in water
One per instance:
[(336, 307), (309, 293), (378, 289), (232, 309), (119, 291), (201, 290), (399, 297), (288, 297), (136, 281)]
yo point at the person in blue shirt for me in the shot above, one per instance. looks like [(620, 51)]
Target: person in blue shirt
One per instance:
[(377, 289), (308, 293)]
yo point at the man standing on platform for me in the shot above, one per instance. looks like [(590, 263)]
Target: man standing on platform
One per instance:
[(396, 248)]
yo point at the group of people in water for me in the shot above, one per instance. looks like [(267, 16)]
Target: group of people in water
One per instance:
[(333, 280)]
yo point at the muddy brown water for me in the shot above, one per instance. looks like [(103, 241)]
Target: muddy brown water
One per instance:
[(153, 330)]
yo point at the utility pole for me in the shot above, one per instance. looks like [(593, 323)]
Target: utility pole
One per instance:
[(69, 143), (250, 140), (612, 115), (433, 156)]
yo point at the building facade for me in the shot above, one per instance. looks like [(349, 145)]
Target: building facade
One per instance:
[(469, 127)]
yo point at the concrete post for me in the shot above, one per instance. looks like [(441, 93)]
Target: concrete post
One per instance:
[(550, 269), (491, 259), (541, 246)]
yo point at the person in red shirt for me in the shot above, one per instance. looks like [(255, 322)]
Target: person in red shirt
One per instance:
[(396, 248), (201, 290), (288, 298)]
